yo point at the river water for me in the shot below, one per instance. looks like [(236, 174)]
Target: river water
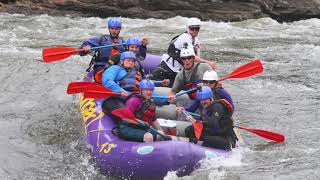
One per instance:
[(42, 135)]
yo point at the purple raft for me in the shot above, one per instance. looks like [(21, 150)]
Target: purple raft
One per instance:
[(135, 160)]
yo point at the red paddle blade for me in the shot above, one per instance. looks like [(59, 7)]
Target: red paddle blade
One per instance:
[(97, 87), (125, 114), (246, 70), (266, 134), (78, 87), (198, 127), (58, 53), (99, 94)]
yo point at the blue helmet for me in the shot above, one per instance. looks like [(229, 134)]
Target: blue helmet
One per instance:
[(204, 93), (146, 84), (133, 41), (114, 23), (127, 54)]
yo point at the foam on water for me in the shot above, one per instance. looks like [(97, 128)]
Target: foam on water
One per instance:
[(213, 168)]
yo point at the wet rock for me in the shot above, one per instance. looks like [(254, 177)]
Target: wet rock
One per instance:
[(217, 10)]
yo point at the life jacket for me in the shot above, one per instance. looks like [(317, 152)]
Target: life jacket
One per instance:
[(204, 115), (173, 51), (139, 68), (147, 112), (194, 80), (128, 82), (216, 93), (101, 55), (113, 60)]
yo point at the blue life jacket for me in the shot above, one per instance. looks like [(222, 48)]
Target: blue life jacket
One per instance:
[(102, 55), (118, 79), (128, 82)]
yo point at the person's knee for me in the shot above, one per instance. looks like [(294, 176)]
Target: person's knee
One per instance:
[(148, 137), (110, 104), (189, 131)]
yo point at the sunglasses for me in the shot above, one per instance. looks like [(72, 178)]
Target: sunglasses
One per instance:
[(209, 81), (186, 58), (194, 28)]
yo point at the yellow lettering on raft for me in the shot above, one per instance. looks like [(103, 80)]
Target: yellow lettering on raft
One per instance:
[(88, 110), (108, 149)]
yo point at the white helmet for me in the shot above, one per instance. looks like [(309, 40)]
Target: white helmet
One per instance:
[(185, 52), (210, 76), (194, 22)]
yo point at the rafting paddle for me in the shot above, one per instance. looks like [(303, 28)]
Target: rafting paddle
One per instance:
[(262, 133), (102, 92), (246, 70), (127, 115), (197, 125), (99, 91), (60, 53), (94, 90), (79, 87)]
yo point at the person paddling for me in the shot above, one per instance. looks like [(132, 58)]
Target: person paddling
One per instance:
[(210, 79), (215, 116), (142, 105), (139, 48), (171, 63), (121, 78), (101, 56), (189, 77)]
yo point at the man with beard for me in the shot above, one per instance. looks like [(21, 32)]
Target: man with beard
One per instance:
[(189, 77), (101, 56)]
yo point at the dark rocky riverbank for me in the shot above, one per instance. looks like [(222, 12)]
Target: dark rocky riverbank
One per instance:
[(216, 10)]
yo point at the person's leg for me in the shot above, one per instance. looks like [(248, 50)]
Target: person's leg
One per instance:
[(189, 131), (217, 142), (133, 134), (163, 72), (159, 72), (110, 104), (148, 137)]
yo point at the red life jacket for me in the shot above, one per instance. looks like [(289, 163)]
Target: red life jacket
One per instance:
[(147, 112)]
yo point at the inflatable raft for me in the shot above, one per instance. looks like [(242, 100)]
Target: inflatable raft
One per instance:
[(135, 160)]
